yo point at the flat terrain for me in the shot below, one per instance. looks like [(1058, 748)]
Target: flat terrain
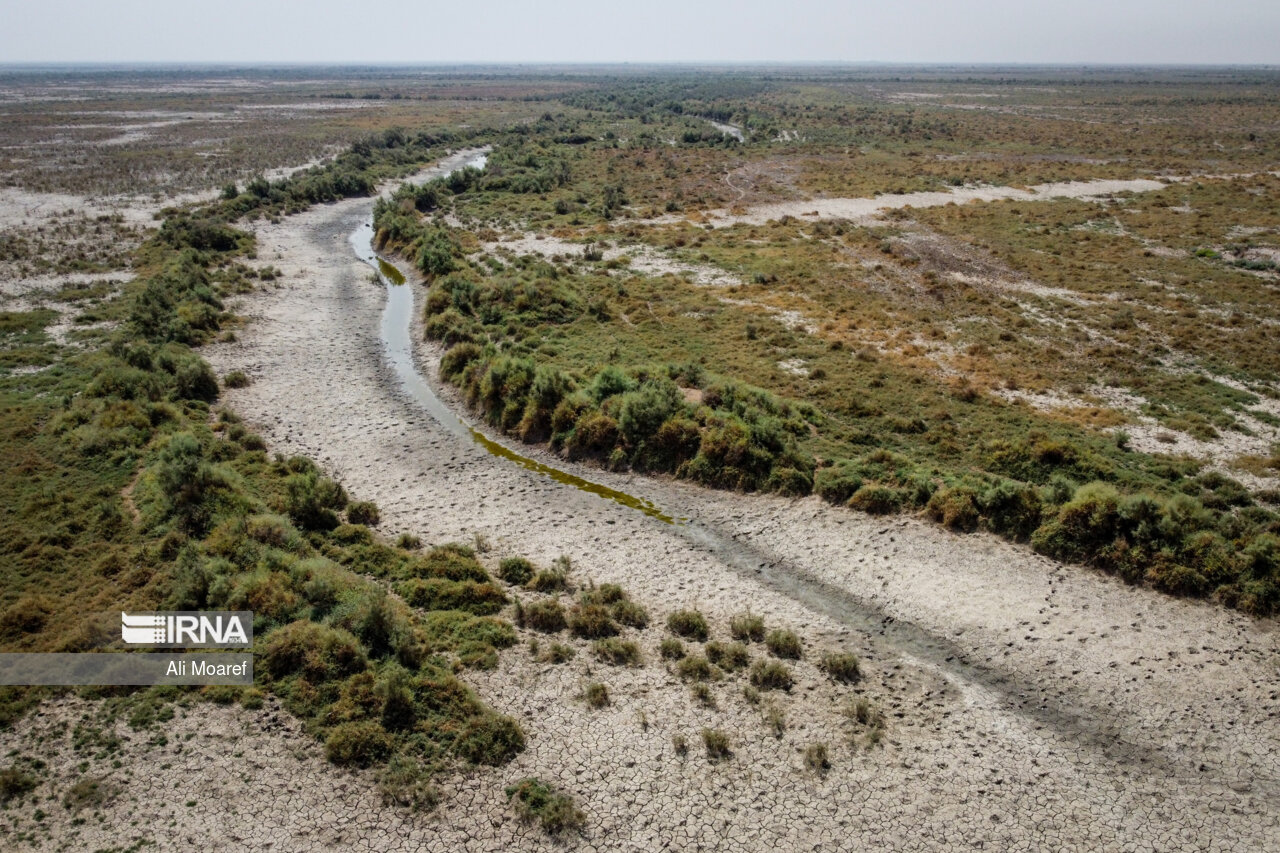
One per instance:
[(1025, 703)]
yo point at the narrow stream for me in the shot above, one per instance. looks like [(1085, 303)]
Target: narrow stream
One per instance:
[(747, 558), (397, 341)]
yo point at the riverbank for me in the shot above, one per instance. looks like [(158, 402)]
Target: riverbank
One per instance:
[(1095, 711)]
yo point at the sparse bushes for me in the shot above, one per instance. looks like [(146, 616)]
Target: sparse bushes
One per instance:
[(516, 570), (841, 666), (747, 628), (616, 652), (689, 624), (716, 743), (554, 810), (596, 695), (771, 675), (15, 782), (784, 644), (695, 668), (671, 649), (235, 379), (816, 758), (592, 621), (546, 616), (775, 720), (730, 657)]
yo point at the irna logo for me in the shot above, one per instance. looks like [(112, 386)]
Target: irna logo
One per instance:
[(189, 629)]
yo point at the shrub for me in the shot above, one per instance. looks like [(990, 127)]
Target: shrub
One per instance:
[(516, 570), (452, 561), (596, 695), (616, 652), (680, 744), (688, 623), (841, 666), (955, 508), (359, 744), (876, 499), (490, 739), (554, 810), (549, 580), (482, 599), (235, 379), (702, 693), (775, 720), (408, 542), (784, 644), (15, 783), (560, 653), (407, 783), (546, 616), (838, 482), (671, 649), (363, 512), (592, 621), (695, 668), (770, 675), (728, 656), (717, 745), (816, 758), (630, 614), (318, 652), (747, 628)]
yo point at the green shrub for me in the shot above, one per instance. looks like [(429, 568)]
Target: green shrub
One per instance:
[(592, 621), (671, 649), (629, 613), (490, 739), (717, 745), (688, 623), (876, 499), (407, 783), (452, 561), (770, 675), (482, 599), (546, 616), (616, 652), (747, 628), (730, 657), (841, 666), (235, 379), (838, 482), (363, 512), (318, 652), (359, 744), (955, 508), (553, 810), (516, 570), (695, 668), (784, 644), (549, 580), (408, 542), (702, 693), (596, 695)]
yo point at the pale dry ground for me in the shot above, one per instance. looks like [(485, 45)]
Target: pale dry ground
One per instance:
[(1031, 706)]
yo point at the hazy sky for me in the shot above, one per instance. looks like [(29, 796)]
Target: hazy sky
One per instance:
[(1098, 31)]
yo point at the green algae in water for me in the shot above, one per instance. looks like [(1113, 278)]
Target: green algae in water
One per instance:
[(395, 336), (392, 274)]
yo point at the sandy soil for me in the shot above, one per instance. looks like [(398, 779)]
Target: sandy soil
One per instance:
[(1031, 706), (864, 208)]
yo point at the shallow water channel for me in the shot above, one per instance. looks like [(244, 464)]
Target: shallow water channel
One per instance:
[(397, 343)]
